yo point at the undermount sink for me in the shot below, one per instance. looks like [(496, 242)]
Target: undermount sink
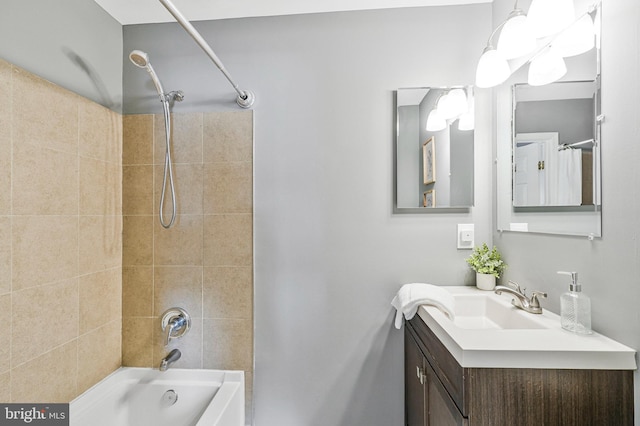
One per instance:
[(484, 312)]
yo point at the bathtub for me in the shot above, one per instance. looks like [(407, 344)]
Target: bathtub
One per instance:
[(176, 397)]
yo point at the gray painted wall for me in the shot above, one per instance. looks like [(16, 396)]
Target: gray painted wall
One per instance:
[(608, 267), (72, 43), (461, 166), (571, 118), (329, 253)]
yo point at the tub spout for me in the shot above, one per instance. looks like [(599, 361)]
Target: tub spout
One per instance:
[(173, 356)]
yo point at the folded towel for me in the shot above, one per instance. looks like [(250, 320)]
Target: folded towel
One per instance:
[(411, 296)]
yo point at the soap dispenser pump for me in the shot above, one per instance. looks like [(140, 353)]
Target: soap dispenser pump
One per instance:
[(575, 307)]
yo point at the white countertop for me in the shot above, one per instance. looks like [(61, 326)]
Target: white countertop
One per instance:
[(549, 347)]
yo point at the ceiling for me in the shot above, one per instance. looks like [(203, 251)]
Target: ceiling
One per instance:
[(129, 12)]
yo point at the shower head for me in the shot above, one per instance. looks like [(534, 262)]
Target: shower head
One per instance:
[(141, 60)]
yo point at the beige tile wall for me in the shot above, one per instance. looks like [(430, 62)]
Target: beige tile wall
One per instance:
[(60, 240), (204, 263)]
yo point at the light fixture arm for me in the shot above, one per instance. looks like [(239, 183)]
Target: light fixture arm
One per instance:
[(489, 44)]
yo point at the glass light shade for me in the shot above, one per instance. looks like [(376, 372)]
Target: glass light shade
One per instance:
[(492, 70), (516, 38), (467, 120), (548, 17), (577, 39), (546, 68), (452, 104), (435, 122)]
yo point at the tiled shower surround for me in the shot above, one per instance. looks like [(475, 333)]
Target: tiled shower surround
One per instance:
[(86, 268), (204, 263), (60, 240)]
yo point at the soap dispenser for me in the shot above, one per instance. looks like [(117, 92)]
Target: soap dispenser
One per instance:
[(575, 307)]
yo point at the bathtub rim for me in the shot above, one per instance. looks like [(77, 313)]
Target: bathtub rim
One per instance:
[(231, 384)]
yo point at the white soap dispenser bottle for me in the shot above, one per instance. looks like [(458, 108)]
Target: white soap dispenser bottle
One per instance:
[(575, 307)]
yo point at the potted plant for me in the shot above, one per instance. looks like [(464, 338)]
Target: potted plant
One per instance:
[(488, 265)]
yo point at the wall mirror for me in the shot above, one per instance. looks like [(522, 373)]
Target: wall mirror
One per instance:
[(548, 150), (434, 150)]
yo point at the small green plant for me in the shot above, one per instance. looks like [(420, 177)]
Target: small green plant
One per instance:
[(485, 261)]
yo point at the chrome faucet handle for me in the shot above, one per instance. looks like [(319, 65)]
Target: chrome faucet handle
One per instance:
[(514, 285), (535, 303), (176, 322)]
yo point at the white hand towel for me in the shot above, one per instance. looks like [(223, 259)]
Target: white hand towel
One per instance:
[(411, 296)]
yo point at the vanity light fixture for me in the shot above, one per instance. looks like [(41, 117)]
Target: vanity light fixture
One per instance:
[(555, 23), (546, 67)]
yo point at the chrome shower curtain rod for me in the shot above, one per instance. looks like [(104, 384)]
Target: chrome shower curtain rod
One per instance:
[(245, 98)]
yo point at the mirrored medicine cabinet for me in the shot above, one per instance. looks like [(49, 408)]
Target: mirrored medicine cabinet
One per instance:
[(548, 150), (434, 150)]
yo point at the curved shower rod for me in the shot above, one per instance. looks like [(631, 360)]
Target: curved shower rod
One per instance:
[(245, 98)]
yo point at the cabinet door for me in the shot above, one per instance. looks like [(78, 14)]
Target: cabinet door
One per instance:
[(414, 378), (442, 411)]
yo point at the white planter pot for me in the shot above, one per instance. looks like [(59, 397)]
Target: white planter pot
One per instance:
[(485, 281)]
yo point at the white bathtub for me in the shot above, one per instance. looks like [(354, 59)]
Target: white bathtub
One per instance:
[(145, 397)]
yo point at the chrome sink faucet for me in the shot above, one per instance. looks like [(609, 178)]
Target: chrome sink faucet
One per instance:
[(520, 300)]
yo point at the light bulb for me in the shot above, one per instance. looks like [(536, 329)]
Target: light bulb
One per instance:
[(548, 17), (467, 120), (546, 68), (577, 39), (493, 68), (452, 104), (435, 122), (516, 38)]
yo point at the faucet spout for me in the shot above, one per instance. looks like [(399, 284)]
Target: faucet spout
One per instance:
[(172, 357), (520, 298)]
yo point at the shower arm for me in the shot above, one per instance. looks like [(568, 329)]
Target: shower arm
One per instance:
[(245, 98)]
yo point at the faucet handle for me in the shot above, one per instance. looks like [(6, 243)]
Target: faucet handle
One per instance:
[(175, 323), (535, 303), (514, 285)]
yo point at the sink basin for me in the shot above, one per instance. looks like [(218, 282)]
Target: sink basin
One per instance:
[(484, 312)]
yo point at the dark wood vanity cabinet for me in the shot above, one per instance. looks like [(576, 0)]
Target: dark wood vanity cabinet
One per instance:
[(439, 392)]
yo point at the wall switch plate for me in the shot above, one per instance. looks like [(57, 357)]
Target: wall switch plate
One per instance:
[(465, 236)]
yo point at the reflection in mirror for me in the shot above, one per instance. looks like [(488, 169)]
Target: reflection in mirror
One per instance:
[(434, 149), (548, 148), (553, 146)]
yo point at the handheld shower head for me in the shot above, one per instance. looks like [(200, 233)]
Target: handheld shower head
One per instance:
[(141, 60)]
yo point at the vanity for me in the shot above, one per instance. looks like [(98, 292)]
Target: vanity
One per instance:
[(497, 365)]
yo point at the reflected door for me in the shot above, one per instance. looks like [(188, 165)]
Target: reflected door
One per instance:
[(529, 174)]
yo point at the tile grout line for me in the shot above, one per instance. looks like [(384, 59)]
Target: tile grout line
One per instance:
[(11, 173), (77, 279)]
